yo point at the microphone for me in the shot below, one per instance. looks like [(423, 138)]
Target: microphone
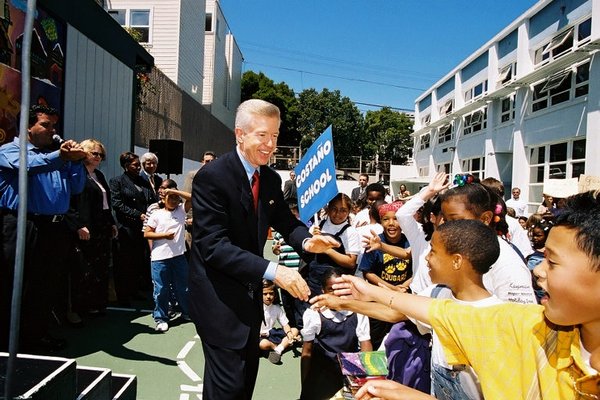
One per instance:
[(57, 139)]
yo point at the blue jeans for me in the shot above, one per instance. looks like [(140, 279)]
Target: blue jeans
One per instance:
[(446, 384), (167, 273)]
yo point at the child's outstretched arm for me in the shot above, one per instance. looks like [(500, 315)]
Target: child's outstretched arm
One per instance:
[(411, 305), (370, 309), (389, 390)]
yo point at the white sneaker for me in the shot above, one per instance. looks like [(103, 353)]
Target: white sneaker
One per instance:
[(161, 326)]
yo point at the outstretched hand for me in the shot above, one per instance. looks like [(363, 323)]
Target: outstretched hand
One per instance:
[(440, 181), (291, 281), (383, 389), (372, 242), (320, 244), (350, 286), (324, 301)]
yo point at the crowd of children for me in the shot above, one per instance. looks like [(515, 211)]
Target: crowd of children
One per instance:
[(451, 244)]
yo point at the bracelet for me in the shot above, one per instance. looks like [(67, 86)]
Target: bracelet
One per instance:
[(391, 301)]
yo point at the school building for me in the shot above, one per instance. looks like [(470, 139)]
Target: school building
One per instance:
[(524, 107)]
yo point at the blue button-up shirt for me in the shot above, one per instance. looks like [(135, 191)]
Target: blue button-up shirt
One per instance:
[(51, 183)]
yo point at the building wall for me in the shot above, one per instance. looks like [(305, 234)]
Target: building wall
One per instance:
[(503, 116), (191, 48), (98, 98)]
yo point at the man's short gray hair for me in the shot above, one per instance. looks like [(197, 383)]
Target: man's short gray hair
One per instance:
[(148, 157), (254, 107)]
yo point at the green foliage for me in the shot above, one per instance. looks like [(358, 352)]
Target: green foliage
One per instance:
[(259, 86), (306, 116), (390, 134), (319, 110)]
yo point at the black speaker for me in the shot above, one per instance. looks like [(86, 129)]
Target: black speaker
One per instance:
[(170, 155)]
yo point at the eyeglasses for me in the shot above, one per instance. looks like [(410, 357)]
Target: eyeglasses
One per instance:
[(96, 154)]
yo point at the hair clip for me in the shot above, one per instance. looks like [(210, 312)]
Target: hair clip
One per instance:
[(463, 179), (498, 209)]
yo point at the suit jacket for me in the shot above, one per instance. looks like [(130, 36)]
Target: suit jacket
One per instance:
[(129, 202), (157, 180), (290, 192), (87, 206), (355, 195), (227, 265)]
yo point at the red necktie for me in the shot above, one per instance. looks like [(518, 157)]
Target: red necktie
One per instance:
[(255, 187)]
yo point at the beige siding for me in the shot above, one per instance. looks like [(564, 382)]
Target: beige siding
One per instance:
[(164, 31), (98, 98)]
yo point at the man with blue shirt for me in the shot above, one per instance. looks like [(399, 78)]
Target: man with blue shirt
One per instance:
[(54, 175)]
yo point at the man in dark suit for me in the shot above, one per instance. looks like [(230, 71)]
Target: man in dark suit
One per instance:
[(149, 163), (227, 266), (290, 191), (359, 192)]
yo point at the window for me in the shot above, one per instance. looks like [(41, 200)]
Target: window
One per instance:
[(447, 108), (424, 141), (561, 87), (445, 133), (139, 21), (475, 121), (476, 92), (507, 74), (507, 108), (208, 23), (563, 43), (136, 20), (119, 16), (423, 171), (474, 166), (554, 161), (426, 120), (445, 168)]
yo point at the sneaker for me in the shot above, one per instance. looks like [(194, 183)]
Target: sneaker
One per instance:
[(274, 357), (173, 315), (161, 326)]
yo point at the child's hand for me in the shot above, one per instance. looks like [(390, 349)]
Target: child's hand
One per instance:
[(170, 235), (276, 248), (350, 286), (383, 389), (324, 301), (440, 181), (372, 242)]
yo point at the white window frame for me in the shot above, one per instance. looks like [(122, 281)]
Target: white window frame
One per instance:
[(546, 53), (445, 133), (447, 108), (423, 171), (535, 184), (549, 98), (425, 141), (475, 121), (467, 167), (426, 120), (470, 95), (507, 74), (508, 114), (149, 26)]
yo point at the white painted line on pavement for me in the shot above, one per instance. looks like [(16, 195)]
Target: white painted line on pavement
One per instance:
[(184, 396), (186, 349), (189, 388), (185, 368)]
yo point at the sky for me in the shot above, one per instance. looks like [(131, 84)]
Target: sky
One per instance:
[(376, 52)]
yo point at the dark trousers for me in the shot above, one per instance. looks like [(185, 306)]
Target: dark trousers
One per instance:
[(131, 264), (47, 247), (230, 374)]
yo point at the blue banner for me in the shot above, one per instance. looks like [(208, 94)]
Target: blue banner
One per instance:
[(315, 176)]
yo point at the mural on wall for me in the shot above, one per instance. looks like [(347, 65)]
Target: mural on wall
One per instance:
[(47, 63)]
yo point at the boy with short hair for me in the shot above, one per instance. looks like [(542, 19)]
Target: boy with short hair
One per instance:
[(522, 351)]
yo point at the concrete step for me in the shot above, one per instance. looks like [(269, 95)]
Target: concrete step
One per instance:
[(94, 383), (124, 387)]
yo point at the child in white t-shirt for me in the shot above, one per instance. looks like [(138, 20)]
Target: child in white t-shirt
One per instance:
[(275, 340), (166, 230)]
